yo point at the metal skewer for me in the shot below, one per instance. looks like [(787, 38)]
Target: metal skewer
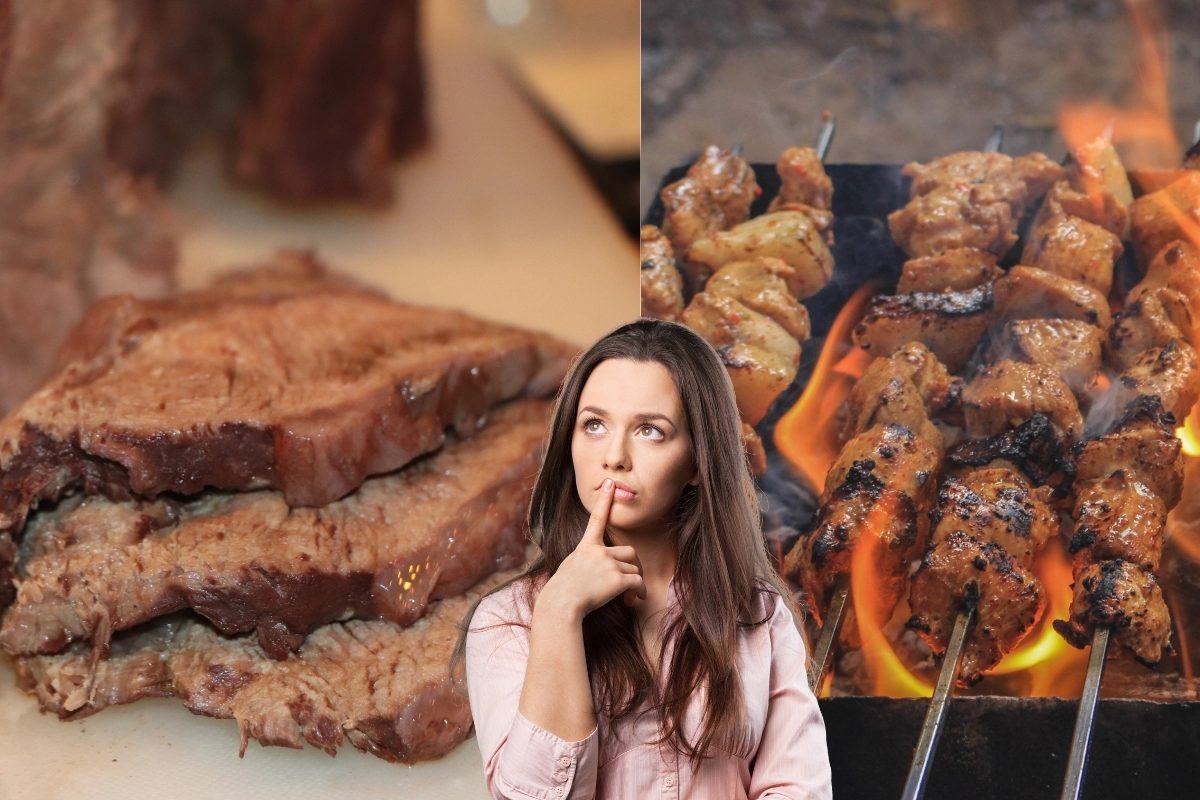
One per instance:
[(996, 140), (918, 773), (1081, 740), (825, 642), (825, 134)]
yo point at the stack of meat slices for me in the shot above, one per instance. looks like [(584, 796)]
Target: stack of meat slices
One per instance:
[(267, 498)]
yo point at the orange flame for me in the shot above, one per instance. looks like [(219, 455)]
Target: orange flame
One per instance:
[(889, 676), (806, 435), (1144, 129)]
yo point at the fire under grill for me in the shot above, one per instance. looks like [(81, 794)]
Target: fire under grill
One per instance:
[(1014, 734)]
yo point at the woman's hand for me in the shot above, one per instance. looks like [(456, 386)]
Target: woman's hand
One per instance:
[(595, 573)]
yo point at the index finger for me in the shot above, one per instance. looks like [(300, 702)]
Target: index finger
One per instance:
[(599, 520)]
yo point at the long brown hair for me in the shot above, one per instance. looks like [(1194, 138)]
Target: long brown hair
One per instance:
[(722, 565)]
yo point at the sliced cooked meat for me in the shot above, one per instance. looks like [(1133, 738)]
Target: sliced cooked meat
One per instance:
[(1125, 597), (948, 323), (1008, 393), (759, 355), (715, 195), (996, 506), (1008, 600), (1177, 267), (1031, 293), (1142, 440), (1070, 347), (1035, 447), (764, 285), (954, 270), (1075, 249), (1170, 372), (247, 561), (802, 180), (888, 470), (791, 236), (662, 284), (282, 377), (1152, 320), (385, 688), (1119, 518), (1168, 215)]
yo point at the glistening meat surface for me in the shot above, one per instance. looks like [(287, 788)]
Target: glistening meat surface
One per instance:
[(248, 561)]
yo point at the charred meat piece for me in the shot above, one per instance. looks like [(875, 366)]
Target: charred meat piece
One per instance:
[(1152, 320), (765, 285), (1118, 518), (957, 270), (1142, 441), (1070, 347), (1075, 249), (1035, 447), (969, 199), (791, 236), (714, 196), (662, 284), (1031, 293), (1176, 267), (802, 180), (887, 394), (1008, 600), (881, 485), (948, 323), (996, 506), (1170, 372), (1165, 216), (1098, 188), (1125, 597), (385, 688), (1008, 393), (939, 389), (247, 561), (759, 354)]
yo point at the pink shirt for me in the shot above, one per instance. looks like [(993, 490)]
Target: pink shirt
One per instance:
[(785, 757)]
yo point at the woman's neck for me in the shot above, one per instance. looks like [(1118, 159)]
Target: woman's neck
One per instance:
[(656, 550)]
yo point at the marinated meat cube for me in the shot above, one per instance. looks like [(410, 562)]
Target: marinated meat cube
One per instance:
[(1071, 347), (1142, 441), (1008, 393), (1031, 293), (1034, 447), (1176, 267), (953, 271), (1127, 599), (1152, 320), (950, 324), (765, 285), (1119, 518), (714, 196), (802, 180), (1168, 215), (1170, 372), (885, 393), (996, 506), (1075, 249), (662, 284)]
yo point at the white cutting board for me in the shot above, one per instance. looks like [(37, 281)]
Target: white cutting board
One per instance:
[(496, 218)]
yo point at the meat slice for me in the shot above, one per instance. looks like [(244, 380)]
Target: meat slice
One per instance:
[(1168, 215), (1076, 249), (1008, 600), (802, 180), (1008, 393), (950, 324), (1121, 595), (662, 284), (1070, 347), (385, 688), (283, 378), (1169, 372), (1119, 518), (1032, 293), (1176, 267), (1152, 320), (955, 270), (1143, 442), (996, 506), (249, 562)]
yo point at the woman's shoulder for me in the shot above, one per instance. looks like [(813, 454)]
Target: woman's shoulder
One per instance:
[(511, 604)]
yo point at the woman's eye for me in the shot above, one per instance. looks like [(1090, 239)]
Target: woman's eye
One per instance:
[(650, 432), (593, 426)]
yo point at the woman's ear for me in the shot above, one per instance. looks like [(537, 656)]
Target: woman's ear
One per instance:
[(695, 479)]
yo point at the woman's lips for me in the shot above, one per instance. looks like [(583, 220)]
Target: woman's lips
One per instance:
[(622, 492)]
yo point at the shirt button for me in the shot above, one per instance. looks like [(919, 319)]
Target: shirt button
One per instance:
[(558, 791), (669, 781), (560, 776), (564, 762)]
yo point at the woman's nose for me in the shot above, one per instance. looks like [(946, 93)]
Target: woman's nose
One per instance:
[(616, 455)]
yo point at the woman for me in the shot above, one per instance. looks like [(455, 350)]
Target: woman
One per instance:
[(650, 649)]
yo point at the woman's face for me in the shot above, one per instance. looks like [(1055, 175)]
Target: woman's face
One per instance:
[(630, 427)]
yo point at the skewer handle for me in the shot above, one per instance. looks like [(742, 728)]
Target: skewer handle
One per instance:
[(825, 136), (996, 140), (819, 662), (1082, 739), (918, 773)]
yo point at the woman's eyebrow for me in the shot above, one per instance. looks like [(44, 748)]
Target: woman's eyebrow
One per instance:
[(599, 412), (650, 417)]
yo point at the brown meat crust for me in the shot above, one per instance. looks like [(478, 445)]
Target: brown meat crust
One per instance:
[(1126, 598), (950, 324)]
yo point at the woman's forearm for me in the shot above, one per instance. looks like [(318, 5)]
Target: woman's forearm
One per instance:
[(557, 695)]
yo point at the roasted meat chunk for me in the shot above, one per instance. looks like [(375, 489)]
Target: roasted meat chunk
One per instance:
[(1118, 518), (1008, 393), (802, 180), (996, 506), (1176, 267), (1035, 447), (948, 323), (662, 283), (1126, 598), (881, 485), (759, 354), (1152, 320), (1165, 216), (955, 270), (1032, 293), (1170, 372), (887, 394), (1075, 249), (1070, 347), (715, 195), (791, 236), (963, 569), (1141, 441), (764, 285)]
